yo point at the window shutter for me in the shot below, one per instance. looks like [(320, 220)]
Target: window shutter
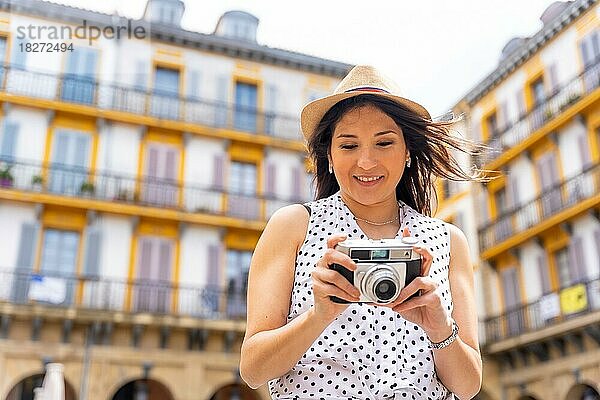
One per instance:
[(502, 117), (222, 99), (595, 46), (218, 171), (521, 110), (270, 178), (166, 260), (585, 53), (19, 57), (8, 148), (25, 259), (141, 75), (514, 195), (553, 78), (93, 244), (171, 164), (194, 84), (510, 285), (584, 150), (152, 168), (145, 259), (577, 268), (542, 263), (597, 240), (271, 109), (296, 183), (213, 271)]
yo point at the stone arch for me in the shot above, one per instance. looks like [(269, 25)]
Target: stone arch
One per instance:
[(154, 388), (583, 391), (235, 390), (23, 387)]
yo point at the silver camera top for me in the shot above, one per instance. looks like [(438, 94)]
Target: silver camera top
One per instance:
[(379, 250)]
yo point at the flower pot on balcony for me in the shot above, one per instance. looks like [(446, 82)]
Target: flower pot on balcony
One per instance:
[(37, 183), (6, 182), (87, 189), (6, 178)]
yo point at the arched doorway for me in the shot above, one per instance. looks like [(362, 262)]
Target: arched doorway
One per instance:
[(24, 389), (583, 392), (235, 391), (143, 389)]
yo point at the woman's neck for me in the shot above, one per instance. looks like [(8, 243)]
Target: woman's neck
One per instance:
[(377, 213)]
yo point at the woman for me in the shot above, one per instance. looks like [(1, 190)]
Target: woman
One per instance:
[(375, 154)]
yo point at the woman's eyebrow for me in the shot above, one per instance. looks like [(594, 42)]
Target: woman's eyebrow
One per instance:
[(352, 136)]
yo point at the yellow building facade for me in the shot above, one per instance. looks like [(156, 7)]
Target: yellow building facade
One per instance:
[(136, 175), (535, 230)]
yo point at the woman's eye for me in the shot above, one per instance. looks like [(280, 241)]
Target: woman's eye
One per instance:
[(385, 144), (348, 146)]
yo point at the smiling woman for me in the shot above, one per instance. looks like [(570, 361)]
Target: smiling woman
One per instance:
[(376, 155)]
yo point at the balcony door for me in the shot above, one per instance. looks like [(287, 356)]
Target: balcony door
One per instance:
[(242, 201), (238, 265), (58, 268), (165, 96), (512, 301), (152, 291), (69, 162), (79, 83), (549, 183), (160, 186), (245, 107)]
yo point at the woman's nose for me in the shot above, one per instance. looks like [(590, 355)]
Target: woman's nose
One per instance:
[(366, 160)]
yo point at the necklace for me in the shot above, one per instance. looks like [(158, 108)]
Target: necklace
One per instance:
[(379, 223)]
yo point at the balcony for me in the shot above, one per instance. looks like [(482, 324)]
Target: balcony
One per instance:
[(85, 91), (112, 295), (522, 220), (550, 310), (119, 189), (559, 101)]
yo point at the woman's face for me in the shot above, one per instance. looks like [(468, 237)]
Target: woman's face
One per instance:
[(368, 155)]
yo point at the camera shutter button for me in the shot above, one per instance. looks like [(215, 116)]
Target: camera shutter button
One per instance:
[(410, 240)]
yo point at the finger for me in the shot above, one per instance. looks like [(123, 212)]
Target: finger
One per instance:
[(405, 232), (331, 277), (427, 259), (326, 290), (334, 239), (421, 283), (430, 299), (332, 256)]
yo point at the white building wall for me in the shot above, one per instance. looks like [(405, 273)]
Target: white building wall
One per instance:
[(523, 175), (285, 162), (529, 253), (118, 148), (507, 92), (31, 136), (195, 242), (568, 144), (199, 172), (116, 246), (584, 227), (37, 61), (561, 52)]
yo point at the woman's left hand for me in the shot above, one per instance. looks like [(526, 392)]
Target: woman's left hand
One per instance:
[(426, 310)]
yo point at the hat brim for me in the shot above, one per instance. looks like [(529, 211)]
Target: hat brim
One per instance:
[(313, 112)]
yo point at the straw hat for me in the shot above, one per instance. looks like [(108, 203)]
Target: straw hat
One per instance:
[(362, 79)]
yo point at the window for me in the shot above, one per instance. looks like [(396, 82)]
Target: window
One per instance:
[(238, 265), (242, 201), (165, 98), (160, 185), (70, 161), (492, 126), (537, 92), (79, 83), (561, 263), (245, 106), (590, 49), (501, 201), (8, 141), (59, 264), (153, 276)]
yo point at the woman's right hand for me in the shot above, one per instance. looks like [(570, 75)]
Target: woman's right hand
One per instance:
[(328, 282)]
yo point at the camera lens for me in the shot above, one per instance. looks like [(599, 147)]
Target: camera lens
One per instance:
[(380, 284), (385, 289)]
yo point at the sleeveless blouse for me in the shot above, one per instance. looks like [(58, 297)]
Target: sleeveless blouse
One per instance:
[(367, 352)]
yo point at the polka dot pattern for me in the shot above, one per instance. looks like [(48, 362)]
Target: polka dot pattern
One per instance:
[(367, 352)]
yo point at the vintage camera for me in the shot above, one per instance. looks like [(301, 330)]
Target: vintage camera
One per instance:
[(384, 267)]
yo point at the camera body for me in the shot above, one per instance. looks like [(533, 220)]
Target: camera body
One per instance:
[(384, 267)]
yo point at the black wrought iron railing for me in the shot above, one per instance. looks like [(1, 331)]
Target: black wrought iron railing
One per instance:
[(73, 181), (78, 89), (550, 309), (562, 98), (552, 201), (55, 289)]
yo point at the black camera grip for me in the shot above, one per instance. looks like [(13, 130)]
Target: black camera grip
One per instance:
[(346, 273)]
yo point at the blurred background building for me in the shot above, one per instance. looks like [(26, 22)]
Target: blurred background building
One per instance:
[(136, 176), (535, 231)]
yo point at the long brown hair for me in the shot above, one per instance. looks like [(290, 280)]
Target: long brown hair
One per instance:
[(428, 143)]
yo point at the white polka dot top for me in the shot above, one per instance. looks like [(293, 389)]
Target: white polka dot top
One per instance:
[(367, 352)]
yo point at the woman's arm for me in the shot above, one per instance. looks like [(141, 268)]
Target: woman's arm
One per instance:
[(459, 365), (271, 347)]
